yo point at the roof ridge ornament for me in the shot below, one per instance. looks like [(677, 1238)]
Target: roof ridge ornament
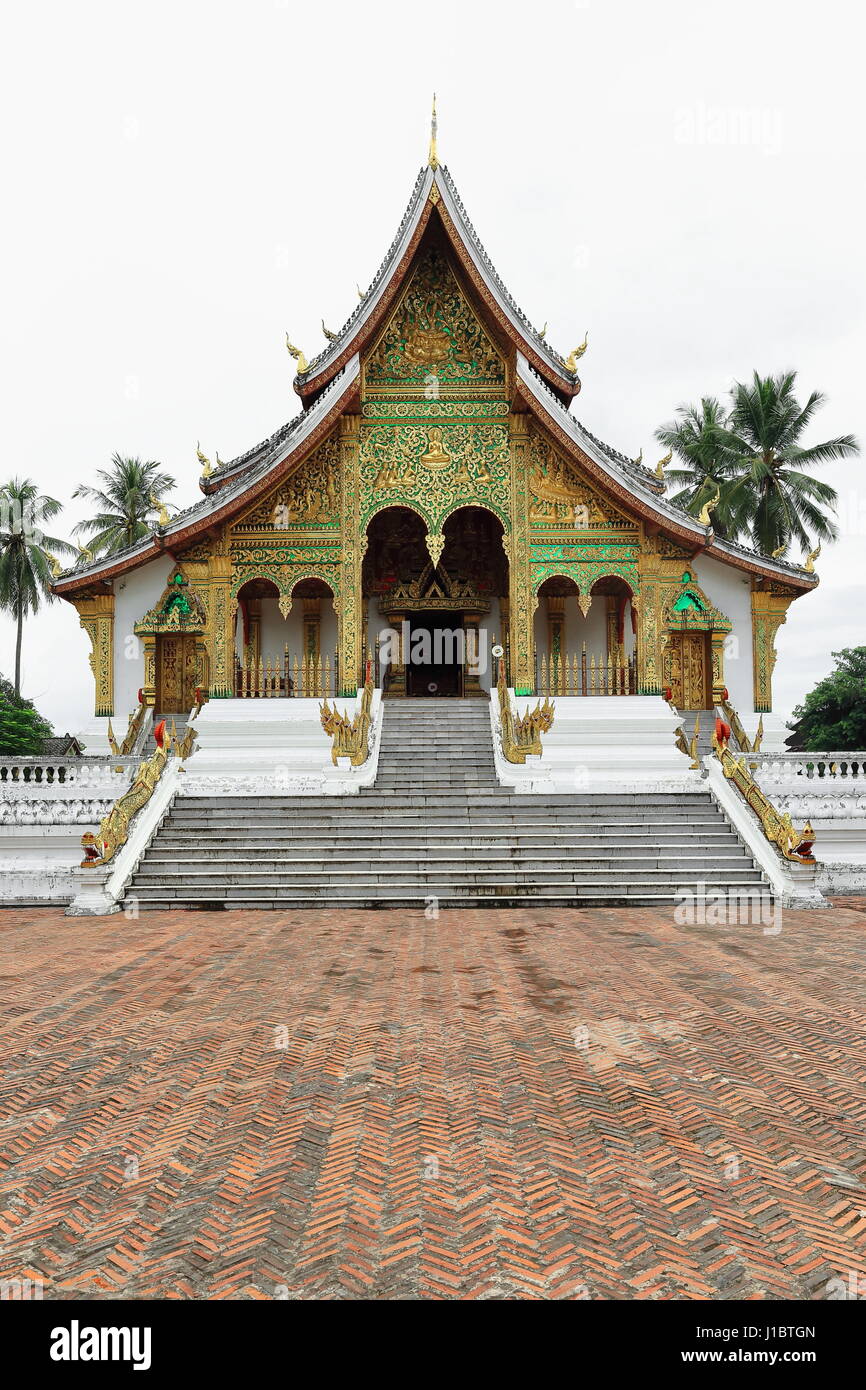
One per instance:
[(662, 465), (574, 357), (303, 365), (433, 156), (206, 465), (809, 565), (709, 507)]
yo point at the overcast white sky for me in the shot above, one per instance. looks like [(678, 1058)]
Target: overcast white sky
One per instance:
[(184, 181)]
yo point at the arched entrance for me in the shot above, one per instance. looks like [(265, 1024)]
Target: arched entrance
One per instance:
[(285, 647), (434, 604), (585, 643)]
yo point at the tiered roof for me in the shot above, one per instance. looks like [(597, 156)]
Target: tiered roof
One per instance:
[(330, 385)]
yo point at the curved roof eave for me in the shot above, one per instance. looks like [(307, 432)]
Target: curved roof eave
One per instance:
[(631, 490), (475, 260), (219, 507)]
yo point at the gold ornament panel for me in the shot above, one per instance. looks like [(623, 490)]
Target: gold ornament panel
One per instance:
[(309, 496), (560, 495), (434, 341), (434, 469)]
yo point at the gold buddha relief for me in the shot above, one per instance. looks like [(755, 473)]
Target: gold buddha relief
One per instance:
[(435, 456)]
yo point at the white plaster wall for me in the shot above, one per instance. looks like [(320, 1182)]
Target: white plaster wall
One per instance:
[(134, 594), (730, 591), (276, 630), (592, 629)]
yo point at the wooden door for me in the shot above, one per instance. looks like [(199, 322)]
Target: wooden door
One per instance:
[(687, 670), (176, 673)]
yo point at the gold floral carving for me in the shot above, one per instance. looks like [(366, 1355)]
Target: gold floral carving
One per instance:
[(434, 333), (769, 612), (560, 494), (96, 614), (308, 496), (349, 612), (434, 470)]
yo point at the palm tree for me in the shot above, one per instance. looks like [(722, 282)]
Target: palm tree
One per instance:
[(125, 507), (26, 554), (698, 438), (775, 500), (752, 452)]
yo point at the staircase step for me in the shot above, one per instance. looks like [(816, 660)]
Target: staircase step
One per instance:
[(438, 825)]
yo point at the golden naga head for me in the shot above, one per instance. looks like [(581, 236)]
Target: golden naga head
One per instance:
[(574, 357), (662, 465), (161, 508), (303, 364), (779, 551), (709, 507), (809, 566), (206, 465)]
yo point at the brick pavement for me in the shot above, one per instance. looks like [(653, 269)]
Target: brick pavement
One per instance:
[(495, 1104)]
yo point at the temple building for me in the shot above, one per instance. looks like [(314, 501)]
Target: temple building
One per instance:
[(436, 480)]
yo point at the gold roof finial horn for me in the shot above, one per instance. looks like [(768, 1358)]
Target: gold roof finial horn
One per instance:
[(206, 465), (433, 156), (662, 465), (303, 365), (705, 517), (572, 360)]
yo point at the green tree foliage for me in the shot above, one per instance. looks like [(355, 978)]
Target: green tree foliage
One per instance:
[(832, 718), (25, 554), (124, 507), (22, 727), (755, 452)]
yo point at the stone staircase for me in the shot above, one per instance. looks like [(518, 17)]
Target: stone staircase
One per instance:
[(437, 826), (705, 730), (180, 722)]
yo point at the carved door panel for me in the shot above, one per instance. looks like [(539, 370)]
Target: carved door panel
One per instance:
[(176, 673), (686, 669)]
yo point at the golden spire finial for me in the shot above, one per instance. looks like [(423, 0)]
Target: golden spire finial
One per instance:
[(433, 157), (303, 365)]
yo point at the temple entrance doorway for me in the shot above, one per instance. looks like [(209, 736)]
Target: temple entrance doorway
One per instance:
[(436, 655), (431, 624), (176, 672), (687, 670)]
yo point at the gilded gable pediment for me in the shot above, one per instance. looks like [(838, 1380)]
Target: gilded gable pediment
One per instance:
[(307, 497), (561, 495), (434, 342)]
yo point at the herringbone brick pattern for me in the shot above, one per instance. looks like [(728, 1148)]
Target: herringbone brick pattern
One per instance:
[(347, 1104)]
